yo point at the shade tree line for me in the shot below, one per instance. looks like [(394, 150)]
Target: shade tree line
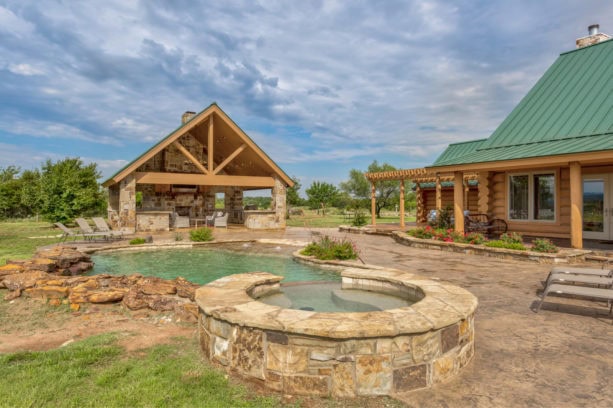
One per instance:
[(57, 191), (354, 193)]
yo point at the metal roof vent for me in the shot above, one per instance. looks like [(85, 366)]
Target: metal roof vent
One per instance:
[(593, 29)]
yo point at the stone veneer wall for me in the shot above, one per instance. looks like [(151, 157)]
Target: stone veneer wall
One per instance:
[(338, 354)]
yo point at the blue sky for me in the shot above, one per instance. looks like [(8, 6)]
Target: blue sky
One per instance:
[(321, 86)]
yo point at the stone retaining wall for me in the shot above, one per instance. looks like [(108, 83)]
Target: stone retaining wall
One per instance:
[(339, 354)]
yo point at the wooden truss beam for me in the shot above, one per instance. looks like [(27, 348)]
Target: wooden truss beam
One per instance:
[(209, 147), (187, 154), (230, 158), (203, 179)]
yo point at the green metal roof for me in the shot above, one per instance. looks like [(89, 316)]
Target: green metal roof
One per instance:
[(457, 150), (569, 110)]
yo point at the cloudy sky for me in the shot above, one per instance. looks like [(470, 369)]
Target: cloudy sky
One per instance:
[(321, 86)]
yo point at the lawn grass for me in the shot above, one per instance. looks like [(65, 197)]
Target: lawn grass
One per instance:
[(19, 239), (98, 372), (333, 218)]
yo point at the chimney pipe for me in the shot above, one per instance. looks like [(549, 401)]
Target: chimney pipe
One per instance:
[(594, 37), (187, 116)]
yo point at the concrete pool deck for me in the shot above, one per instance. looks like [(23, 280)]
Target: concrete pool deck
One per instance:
[(560, 357)]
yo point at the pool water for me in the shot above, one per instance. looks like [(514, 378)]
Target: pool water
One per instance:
[(330, 297), (204, 265)]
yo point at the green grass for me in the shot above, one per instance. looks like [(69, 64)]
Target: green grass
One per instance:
[(334, 219), (97, 372), (16, 241)]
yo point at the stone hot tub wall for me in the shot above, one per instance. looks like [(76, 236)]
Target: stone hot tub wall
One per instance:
[(339, 354)]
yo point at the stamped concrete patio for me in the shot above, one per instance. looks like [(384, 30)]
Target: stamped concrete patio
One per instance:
[(560, 357)]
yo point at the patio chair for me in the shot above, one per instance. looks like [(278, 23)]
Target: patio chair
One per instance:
[(102, 226), (67, 232), (180, 221), (87, 232), (221, 221), (571, 278), (579, 291)]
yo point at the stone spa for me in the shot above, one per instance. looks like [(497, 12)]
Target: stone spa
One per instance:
[(333, 353)]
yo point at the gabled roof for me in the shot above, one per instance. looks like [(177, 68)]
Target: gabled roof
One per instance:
[(569, 110), (184, 129)]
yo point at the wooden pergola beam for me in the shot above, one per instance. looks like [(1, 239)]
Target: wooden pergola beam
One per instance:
[(230, 158), (187, 154), (203, 179)]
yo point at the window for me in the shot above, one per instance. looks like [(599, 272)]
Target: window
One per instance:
[(532, 197)]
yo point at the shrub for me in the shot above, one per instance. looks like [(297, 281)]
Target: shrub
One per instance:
[(512, 238), (201, 234), (423, 233), (329, 248), (544, 245), (443, 219), (474, 238), (359, 218), (505, 244), (138, 241), (178, 236)]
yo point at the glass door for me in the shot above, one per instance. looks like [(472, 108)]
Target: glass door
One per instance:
[(596, 214)]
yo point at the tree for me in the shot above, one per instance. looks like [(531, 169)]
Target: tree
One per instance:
[(31, 198), (10, 192), (321, 194), (387, 192), (69, 189), (293, 198)]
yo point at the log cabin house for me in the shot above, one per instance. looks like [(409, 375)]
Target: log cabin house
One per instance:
[(547, 170)]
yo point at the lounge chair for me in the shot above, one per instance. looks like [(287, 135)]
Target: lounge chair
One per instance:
[(67, 232), (221, 221), (180, 221), (571, 278), (581, 291), (102, 226), (88, 232)]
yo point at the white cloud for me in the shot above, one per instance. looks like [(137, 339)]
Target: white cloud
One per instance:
[(24, 69)]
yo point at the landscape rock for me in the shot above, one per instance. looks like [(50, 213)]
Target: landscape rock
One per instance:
[(161, 303), (41, 264), (10, 269), (48, 292), (134, 300), (23, 280), (13, 295), (106, 295), (157, 286), (185, 288)]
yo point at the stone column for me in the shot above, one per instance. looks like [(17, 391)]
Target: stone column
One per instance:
[(127, 203), (233, 198), (576, 206), (458, 201), (279, 193)]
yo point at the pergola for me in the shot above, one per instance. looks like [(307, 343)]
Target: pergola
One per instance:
[(422, 175)]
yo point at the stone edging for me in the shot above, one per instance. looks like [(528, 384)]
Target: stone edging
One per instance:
[(339, 354), (565, 256)]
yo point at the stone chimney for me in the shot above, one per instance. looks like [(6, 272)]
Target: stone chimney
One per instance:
[(188, 115), (594, 37)]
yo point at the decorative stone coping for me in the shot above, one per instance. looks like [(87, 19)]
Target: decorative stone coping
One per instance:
[(339, 354)]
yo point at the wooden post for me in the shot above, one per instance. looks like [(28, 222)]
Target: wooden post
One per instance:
[(373, 205), (401, 203), (458, 201), (209, 148), (576, 206), (439, 194), (420, 211)]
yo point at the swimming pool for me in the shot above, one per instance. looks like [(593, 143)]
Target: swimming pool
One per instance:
[(202, 265)]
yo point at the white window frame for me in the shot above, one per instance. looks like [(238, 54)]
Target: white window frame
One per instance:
[(531, 195)]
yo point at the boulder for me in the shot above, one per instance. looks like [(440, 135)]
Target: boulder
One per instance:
[(23, 280), (185, 288), (106, 295), (187, 312), (13, 295), (78, 268), (10, 269), (41, 264), (157, 286), (48, 292), (134, 300), (161, 303)]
